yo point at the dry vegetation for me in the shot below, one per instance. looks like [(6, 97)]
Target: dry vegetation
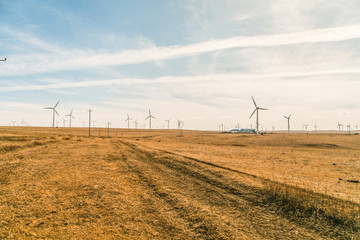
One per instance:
[(57, 183)]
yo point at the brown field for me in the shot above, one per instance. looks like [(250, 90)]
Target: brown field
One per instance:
[(138, 184)]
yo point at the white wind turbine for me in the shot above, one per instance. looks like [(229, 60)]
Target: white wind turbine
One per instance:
[(168, 122), (70, 116), (179, 124), (315, 127), (348, 128), (288, 121), (257, 115), (149, 117), (64, 121), (136, 123), (306, 126), (339, 126), (54, 111), (22, 122), (128, 120)]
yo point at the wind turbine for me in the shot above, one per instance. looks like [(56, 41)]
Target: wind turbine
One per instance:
[(70, 116), (64, 121), (93, 121), (349, 128), (168, 122), (179, 124), (257, 115), (315, 126), (128, 120), (339, 126), (22, 122), (356, 126), (288, 120), (305, 126), (136, 123), (54, 111), (149, 117)]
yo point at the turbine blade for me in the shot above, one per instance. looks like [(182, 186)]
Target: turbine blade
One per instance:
[(254, 101), (147, 118), (48, 108), (263, 108), (67, 115), (285, 117), (290, 116), (72, 116), (71, 111), (57, 104), (253, 113), (56, 112)]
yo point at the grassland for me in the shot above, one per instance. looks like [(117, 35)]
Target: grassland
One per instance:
[(137, 184)]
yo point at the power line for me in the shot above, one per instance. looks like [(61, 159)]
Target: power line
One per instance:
[(21, 77)]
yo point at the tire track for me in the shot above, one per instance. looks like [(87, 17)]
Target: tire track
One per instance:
[(213, 206)]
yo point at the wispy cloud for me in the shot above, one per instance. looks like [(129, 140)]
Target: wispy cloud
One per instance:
[(29, 41), (172, 79), (78, 59)]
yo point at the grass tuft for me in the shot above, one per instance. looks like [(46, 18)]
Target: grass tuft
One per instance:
[(315, 209)]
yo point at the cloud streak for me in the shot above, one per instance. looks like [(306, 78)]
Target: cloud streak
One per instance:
[(172, 79), (73, 60)]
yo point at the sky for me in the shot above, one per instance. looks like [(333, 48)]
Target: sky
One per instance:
[(198, 61)]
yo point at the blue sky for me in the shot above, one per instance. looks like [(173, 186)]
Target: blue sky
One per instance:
[(196, 61)]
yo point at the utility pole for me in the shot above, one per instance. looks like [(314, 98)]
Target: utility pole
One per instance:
[(90, 120)]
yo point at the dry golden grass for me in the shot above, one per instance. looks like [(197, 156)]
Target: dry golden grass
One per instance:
[(59, 183)]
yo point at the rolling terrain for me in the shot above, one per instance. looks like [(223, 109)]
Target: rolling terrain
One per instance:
[(137, 184)]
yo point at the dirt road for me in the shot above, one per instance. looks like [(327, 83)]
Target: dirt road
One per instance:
[(116, 188)]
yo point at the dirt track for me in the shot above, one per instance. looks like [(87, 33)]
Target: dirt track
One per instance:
[(117, 188)]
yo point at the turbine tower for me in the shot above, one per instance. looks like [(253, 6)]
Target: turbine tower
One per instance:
[(315, 126), (128, 120), (149, 117), (70, 116), (257, 115), (288, 120), (54, 111)]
